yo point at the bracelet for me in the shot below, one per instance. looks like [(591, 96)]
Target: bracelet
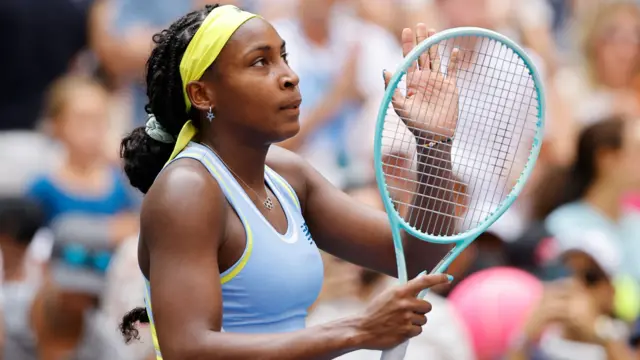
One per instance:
[(431, 144)]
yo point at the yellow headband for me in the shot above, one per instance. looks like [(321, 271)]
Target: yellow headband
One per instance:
[(207, 43)]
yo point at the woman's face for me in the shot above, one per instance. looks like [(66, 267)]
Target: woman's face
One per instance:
[(252, 88), (617, 46)]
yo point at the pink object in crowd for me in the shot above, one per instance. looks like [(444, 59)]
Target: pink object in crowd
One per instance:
[(494, 304), (632, 201)]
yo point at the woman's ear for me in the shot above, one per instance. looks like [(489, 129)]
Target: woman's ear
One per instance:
[(202, 97)]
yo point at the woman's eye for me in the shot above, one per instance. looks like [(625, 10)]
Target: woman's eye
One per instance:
[(285, 57), (259, 63)]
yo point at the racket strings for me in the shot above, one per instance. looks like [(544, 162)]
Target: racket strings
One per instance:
[(497, 115), (498, 162)]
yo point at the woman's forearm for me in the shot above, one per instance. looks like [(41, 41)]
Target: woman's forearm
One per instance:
[(433, 206), (321, 342), (434, 203)]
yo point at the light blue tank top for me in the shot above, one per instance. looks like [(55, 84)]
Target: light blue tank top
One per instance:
[(278, 277)]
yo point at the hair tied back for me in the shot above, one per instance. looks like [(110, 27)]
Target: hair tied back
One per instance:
[(157, 132)]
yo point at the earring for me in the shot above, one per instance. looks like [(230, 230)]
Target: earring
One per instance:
[(210, 114)]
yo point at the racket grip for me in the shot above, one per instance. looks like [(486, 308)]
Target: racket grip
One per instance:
[(397, 353)]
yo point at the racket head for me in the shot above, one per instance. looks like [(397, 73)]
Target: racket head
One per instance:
[(535, 120)]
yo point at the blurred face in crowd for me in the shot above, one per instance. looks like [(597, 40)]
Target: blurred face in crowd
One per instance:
[(385, 13), (622, 166), (596, 283), (81, 123), (630, 156), (464, 12), (316, 10), (616, 46)]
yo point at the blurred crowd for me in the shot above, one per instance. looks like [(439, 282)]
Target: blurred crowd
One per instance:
[(557, 277)]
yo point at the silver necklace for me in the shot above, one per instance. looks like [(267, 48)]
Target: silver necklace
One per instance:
[(267, 203)]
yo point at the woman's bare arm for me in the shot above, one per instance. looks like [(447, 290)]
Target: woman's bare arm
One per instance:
[(353, 231), (183, 225)]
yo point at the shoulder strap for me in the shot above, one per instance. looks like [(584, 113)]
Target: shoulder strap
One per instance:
[(284, 185)]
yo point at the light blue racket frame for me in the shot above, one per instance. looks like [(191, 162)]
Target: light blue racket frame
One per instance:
[(461, 240)]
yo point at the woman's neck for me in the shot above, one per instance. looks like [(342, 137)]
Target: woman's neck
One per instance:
[(606, 199), (245, 161)]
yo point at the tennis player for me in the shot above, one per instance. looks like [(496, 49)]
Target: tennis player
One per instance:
[(230, 229)]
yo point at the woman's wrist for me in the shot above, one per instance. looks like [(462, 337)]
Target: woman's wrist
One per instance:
[(353, 333)]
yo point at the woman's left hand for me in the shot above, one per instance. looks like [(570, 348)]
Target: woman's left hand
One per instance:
[(430, 106)]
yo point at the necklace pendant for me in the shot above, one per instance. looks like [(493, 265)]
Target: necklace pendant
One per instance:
[(268, 203)]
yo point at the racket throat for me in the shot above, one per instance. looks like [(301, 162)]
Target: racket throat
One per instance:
[(444, 263)]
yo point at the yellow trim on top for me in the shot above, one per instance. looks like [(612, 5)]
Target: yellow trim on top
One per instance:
[(243, 261), (154, 335), (247, 254), (226, 278), (288, 187)]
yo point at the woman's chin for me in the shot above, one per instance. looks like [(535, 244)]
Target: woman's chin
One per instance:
[(288, 130)]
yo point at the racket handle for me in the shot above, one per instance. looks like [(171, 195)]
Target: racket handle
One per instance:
[(397, 353)]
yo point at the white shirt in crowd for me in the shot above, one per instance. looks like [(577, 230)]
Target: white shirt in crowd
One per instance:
[(444, 337)]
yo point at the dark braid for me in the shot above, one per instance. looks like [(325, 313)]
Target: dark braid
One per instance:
[(143, 156), (129, 320)]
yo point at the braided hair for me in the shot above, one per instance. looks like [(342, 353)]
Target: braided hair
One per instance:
[(143, 156)]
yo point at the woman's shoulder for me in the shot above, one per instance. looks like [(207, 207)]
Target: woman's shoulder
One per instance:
[(183, 187)]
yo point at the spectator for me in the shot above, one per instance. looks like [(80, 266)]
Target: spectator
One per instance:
[(572, 320), (607, 83), (20, 219), (528, 22), (87, 205), (121, 32), (38, 323), (66, 326), (84, 183), (587, 201), (340, 69)]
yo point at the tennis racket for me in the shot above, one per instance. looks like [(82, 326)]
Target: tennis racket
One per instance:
[(457, 136)]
